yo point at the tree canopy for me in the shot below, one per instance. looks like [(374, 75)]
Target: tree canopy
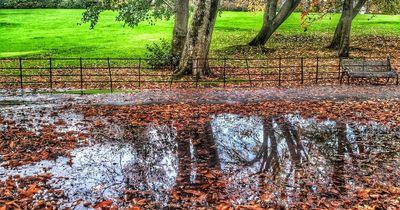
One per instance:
[(131, 12)]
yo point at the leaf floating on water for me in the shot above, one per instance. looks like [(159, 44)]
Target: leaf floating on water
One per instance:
[(103, 204), (266, 197), (363, 193)]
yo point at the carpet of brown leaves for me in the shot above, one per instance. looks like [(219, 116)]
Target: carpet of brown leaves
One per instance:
[(20, 147)]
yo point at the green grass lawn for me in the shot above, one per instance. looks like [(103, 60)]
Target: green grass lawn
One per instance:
[(58, 33)]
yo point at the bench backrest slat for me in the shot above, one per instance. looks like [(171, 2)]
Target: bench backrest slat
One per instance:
[(363, 65)]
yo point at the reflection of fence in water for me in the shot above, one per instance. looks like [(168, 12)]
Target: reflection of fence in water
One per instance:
[(127, 73)]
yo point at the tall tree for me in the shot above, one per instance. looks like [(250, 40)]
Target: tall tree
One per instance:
[(341, 38), (347, 19), (338, 36), (197, 44), (180, 28), (273, 18)]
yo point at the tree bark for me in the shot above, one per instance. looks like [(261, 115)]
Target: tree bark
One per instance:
[(180, 29), (197, 44), (265, 32), (272, 20), (338, 36), (347, 14)]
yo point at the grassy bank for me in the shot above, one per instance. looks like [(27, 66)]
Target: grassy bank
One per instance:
[(58, 33)]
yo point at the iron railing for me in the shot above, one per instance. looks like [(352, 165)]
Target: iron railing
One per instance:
[(137, 73)]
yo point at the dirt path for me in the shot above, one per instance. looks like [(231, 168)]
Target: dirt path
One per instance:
[(211, 96)]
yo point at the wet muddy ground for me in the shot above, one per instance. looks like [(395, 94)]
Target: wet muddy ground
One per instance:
[(214, 95), (225, 160)]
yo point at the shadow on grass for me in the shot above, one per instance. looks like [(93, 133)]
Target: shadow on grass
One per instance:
[(6, 24), (234, 29), (245, 49)]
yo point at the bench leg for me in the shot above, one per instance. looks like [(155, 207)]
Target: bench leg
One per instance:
[(341, 78)]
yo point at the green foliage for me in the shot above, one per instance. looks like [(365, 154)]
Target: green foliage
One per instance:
[(158, 53), (234, 5), (335, 6), (384, 6), (15, 4), (28, 4), (131, 12), (72, 4)]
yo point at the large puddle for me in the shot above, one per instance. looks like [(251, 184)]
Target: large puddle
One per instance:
[(277, 161)]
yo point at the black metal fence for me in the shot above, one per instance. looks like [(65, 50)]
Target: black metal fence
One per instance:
[(128, 73)]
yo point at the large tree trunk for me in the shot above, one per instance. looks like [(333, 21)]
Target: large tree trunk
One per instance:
[(337, 37), (272, 20), (347, 13), (180, 29), (197, 44), (266, 29)]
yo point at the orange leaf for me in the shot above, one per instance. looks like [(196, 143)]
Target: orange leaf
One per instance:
[(103, 204), (363, 193), (194, 192), (31, 190), (135, 208), (266, 197)]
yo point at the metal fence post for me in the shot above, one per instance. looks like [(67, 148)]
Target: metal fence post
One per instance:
[(316, 71), (248, 72), (110, 74), (139, 66), (197, 78), (81, 74), (302, 70), (51, 75), (172, 69), (171, 81), (339, 69), (280, 71), (224, 72), (20, 74), (262, 76)]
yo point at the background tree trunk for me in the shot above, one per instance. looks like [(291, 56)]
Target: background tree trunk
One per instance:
[(272, 20), (338, 36), (265, 32), (180, 28), (197, 44), (347, 17)]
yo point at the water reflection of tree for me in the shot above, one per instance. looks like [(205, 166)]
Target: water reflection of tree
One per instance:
[(324, 158), (199, 178), (283, 155), (333, 144), (153, 171), (268, 153)]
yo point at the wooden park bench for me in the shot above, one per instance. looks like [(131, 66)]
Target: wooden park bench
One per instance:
[(368, 69)]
